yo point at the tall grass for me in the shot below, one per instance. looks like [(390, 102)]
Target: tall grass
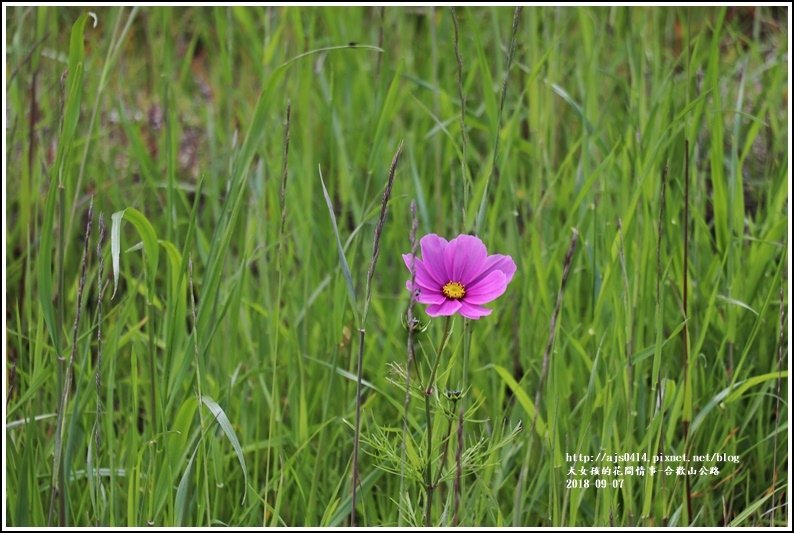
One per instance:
[(218, 381)]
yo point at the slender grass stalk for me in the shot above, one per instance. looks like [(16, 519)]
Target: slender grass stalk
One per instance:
[(32, 112), (502, 99), (464, 175), (379, 229), (411, 327), (61, 361), (361, 330), (58, 490), (659, 273), (357, 435), (282, 193), (686, 419), (197, 362), (101, 285), (656, 376), (275, 334), (437, 152), (153, 394)]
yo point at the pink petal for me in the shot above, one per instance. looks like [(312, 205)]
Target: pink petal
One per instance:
[(474, 311), (433, 257), (450, 307), (464, 258), (496, 262), (489, 288), (425, 296), (423, 278)]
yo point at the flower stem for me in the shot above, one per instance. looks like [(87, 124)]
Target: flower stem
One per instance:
[(428, 393), (444, 340), (457, 486), (429, 464)]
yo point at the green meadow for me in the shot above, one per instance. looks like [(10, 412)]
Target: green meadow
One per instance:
[(206, 297)]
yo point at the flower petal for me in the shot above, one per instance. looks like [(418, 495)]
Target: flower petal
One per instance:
[(425, 296), (489, 288), (450, 307), (423, 278), (433, 257), (464, 258), (496, 262), (473, 311)]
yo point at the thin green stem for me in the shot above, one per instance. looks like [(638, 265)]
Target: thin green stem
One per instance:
[(152, 364), (357, 437), (61, 508), (429, 463), (58, 488), (412, 325), (444, 341), (428, 394), (152, 397), (457, 486)]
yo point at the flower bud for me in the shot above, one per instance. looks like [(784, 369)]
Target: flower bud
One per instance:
[(415, 324), (453, 395)]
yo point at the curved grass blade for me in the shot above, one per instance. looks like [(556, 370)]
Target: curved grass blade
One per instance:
[(223, 421), (151, 246)]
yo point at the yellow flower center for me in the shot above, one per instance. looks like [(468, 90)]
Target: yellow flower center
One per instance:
[(454, 290)]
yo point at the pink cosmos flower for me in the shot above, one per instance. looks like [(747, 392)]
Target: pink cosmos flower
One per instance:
[(458, 276)]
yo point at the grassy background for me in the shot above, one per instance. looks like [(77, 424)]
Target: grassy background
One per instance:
[(177, 116)]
